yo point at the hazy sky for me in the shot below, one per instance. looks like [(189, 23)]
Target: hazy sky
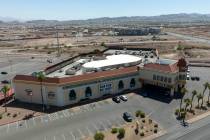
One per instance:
[(83, 9)]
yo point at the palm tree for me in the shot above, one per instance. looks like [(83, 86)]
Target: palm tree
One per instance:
[(41, 77), (194, 92), (187, 103), (199, 97), (183, 116), (205, 87), (209, 93), (183, 92), (5, 91)]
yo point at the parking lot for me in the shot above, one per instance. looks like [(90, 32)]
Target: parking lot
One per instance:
[(203, 73), (77, 124)]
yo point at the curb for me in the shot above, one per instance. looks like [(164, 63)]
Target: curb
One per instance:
[(154, 136), (199, 117)]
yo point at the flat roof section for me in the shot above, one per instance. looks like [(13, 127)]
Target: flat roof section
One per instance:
[(112, 61)]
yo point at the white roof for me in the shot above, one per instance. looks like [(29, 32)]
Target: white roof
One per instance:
[(112, 60)]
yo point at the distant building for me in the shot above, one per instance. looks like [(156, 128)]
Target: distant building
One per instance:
[(137, 32), (114, 71)]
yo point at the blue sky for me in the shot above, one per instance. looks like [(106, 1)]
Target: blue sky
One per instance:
[(84, 9)]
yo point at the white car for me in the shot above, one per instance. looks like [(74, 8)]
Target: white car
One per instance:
[(123, 97)]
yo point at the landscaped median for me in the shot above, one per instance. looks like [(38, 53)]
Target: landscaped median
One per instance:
[(142, 127), (191, 111)]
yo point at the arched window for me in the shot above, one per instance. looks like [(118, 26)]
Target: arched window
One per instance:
[(72, 95), (120, 85), (88, 92), (132, 83)]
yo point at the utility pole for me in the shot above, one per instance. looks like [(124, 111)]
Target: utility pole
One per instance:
[(58, 44)]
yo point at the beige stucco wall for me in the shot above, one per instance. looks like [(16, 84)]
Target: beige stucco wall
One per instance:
[(148, 75), (21, 94), (62, 95), (80, 90)]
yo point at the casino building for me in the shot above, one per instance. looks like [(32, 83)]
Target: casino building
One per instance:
[(93, 75)]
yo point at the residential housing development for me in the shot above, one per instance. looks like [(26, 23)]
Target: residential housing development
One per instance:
[(94, 75)]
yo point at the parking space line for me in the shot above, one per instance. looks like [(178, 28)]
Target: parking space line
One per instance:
[(7, 128), (71, 133), (34, 121), (66, 113), (109, 123), (63, 136), (96, 128), (42, 120), (102, 124), (17, 125), (90, 133), (82, 135), (54, 138), (26, 124)]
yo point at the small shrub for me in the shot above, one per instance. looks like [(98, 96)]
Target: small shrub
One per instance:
[(142, 134), (143, 120), (14, 115), (138, 112), (114, 130), (1, 116), (155, 131), (121, 133), (99, 136), (150, 121), (142, 115), (8, 114), (176, 112), (156, 125)]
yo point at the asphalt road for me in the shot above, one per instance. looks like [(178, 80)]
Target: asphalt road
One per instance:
[(196, 131), (190, 38)]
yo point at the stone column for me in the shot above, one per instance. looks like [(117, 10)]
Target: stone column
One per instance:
[(172, 92)]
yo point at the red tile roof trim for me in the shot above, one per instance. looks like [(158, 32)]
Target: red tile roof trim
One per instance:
[(79, 78), (161, 67)]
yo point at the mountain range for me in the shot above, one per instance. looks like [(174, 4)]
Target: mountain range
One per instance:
[(170, 18)]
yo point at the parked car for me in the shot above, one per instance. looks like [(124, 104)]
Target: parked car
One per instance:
[(144, 94), (4, 72), (5, 82), (116, 99), (49, 60), (192, 78), (188, 77), (197, 78), (127, 116), (123, 98)]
